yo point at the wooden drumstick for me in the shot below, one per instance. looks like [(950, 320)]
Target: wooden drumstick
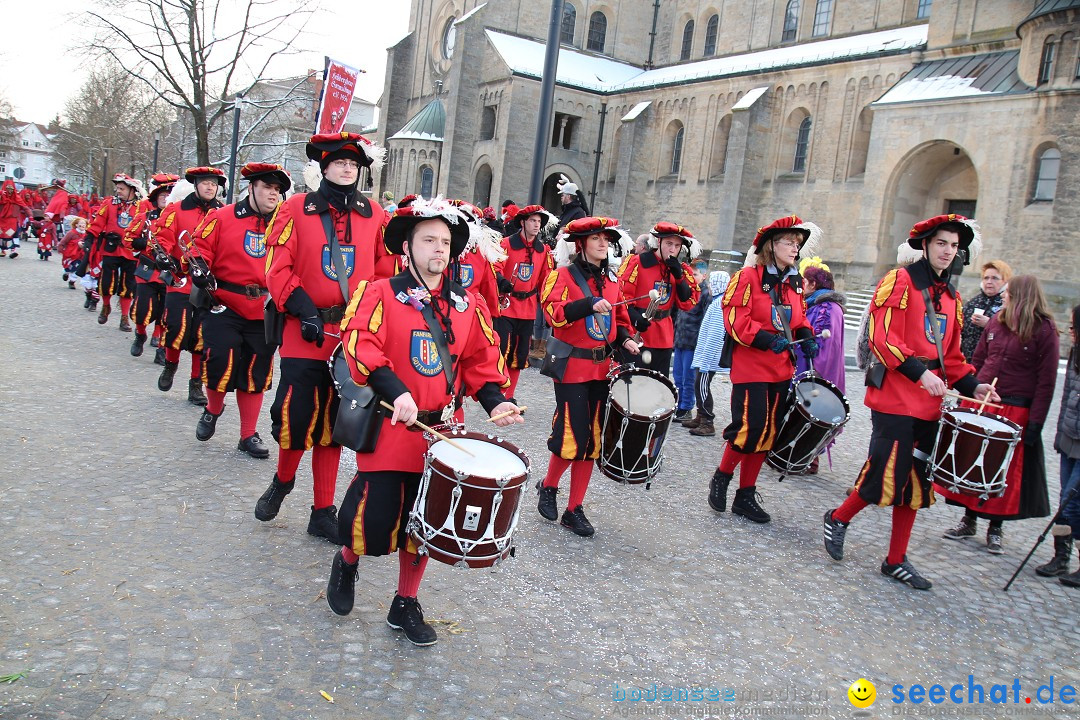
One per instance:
[(508, 413), (983, 403), (434, 432), (954, 394)]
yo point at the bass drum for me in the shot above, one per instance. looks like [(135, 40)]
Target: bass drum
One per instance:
[(816, 413), (638, 413)]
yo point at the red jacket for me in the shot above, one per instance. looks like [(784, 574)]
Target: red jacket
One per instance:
[(114, 216), (12, 209), (175, 219), (58, 206), (527, 267), (299, 256), (753, 323), (389, 346), (901, 338), (477, 275), (641, 273), (233, 242), (569, 312)]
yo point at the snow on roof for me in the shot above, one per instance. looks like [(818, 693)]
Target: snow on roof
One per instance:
[(636, 110), (469, 14), (593, 72), (747, 100), (986, 74)]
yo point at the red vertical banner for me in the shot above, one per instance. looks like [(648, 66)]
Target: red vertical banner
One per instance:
[(339, 84)]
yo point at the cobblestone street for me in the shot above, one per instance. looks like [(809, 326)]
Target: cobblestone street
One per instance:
[(137, 583)]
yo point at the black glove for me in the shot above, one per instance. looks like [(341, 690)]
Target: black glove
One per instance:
[(675, 267), (505, 286), (637, 318), (202, 281), (810, 348), (303, 307), (138, 243), (779, 344), (311, 329), (88, 242), (1032, 433)]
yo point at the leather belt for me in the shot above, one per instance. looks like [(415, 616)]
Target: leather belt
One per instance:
[(930, 363), (523, 295), (252, 291), (597, 354), (432, 418), (1016, 401), (332, 315), (662, 315)]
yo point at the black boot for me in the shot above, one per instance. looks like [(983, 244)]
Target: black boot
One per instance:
[(137, 344), (341, 589), (1059, 565), (89, 299), (406, 615), (324, 523), (547, 506), (254, 446), (718, 490), (270, 503), (746, 504), (575, 521), (207, 425), (159, 356), (165, 379), (1070, 580), (195, 394), (103, 316), (125, 323)]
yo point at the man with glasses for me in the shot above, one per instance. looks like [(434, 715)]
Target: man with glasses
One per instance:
[(320, 245)]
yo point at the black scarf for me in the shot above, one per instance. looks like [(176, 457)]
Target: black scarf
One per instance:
[(340, 198)]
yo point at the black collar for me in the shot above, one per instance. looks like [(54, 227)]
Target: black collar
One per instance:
[(245, 209), (649, 259), (922, 276), (316, 203), (517, 242), (404, 280), (770, 280), (192, 202)]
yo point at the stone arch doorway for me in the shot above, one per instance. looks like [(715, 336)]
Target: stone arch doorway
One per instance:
[(935, 178), (550, 198)]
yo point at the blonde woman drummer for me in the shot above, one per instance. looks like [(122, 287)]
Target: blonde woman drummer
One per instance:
[(580, 302)]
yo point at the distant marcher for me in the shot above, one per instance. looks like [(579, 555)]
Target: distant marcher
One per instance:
[(706, 361)]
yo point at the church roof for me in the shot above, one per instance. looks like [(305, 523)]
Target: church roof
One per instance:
[(1049, 6), (587, 71), (973, 75), (428, 124)]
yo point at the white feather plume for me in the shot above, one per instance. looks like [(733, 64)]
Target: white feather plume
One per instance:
[(312, 175), (976, 246), (905, 254), (488, 242), (812, 246), (180, 190)]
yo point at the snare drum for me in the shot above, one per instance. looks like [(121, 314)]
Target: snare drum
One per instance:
[(639, 408), (973, 452), (816, 413), (466, 509)]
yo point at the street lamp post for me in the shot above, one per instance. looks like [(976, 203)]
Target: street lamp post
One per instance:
[(105, 170), (239, 102), (157, 142)]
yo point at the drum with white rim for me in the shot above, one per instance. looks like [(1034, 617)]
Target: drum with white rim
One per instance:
[(637, 415), (467, 507), (817, 412), (973, 451)]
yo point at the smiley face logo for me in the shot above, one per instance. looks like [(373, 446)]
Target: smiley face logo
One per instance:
[(862, 693)]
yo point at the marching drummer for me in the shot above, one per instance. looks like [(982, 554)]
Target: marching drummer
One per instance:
[(580, 301), (764, 314), (396, 333), (905, 395)]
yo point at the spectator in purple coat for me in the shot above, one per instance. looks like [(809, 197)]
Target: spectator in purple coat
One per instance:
[(825, 311)]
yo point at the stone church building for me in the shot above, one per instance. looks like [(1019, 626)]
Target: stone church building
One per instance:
[(863, 116)]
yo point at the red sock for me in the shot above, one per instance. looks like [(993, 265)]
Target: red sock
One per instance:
[(556, 467), (730, 459), (172, 356), (215, 402), (903, 519), (105, 300), (249, 405), (850, 508), (580, 472), (751, 466), (196, 365), (324, 467), (514, 375), (159, 330), (140, 329), (287, 462), (125, 306), (349, 556), (409, 575)]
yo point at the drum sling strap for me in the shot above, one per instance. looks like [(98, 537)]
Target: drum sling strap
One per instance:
[(932, 321), (583, 285), (335, 253)]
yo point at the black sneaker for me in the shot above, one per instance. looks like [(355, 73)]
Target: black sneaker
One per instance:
[(407, 615), (206, 426), (681, 415), (341, 590), (324, 523), (270, 503), (834, 536), (904, 572), (994, 538), (165, 379), (576, 521), (547, 506), (254, 446), (963, 530), (718, 490), (746, 504)]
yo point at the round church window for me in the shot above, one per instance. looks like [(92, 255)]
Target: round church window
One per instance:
[(449, 39)]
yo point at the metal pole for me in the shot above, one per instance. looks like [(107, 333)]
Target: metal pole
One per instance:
[(157, 143), (547, 103), (235, 141), (598, 152), (105, 172), (652, 35)]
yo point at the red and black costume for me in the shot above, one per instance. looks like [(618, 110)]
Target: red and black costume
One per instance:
[(13, 213), (389, 347), (174, 232), (520, 278), (567, 298), (105, 233), (905, 416), (302, 277), (764, 312), (673, 280), (149, 285)]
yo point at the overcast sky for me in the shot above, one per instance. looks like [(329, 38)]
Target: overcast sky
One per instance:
[(40, 73)]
